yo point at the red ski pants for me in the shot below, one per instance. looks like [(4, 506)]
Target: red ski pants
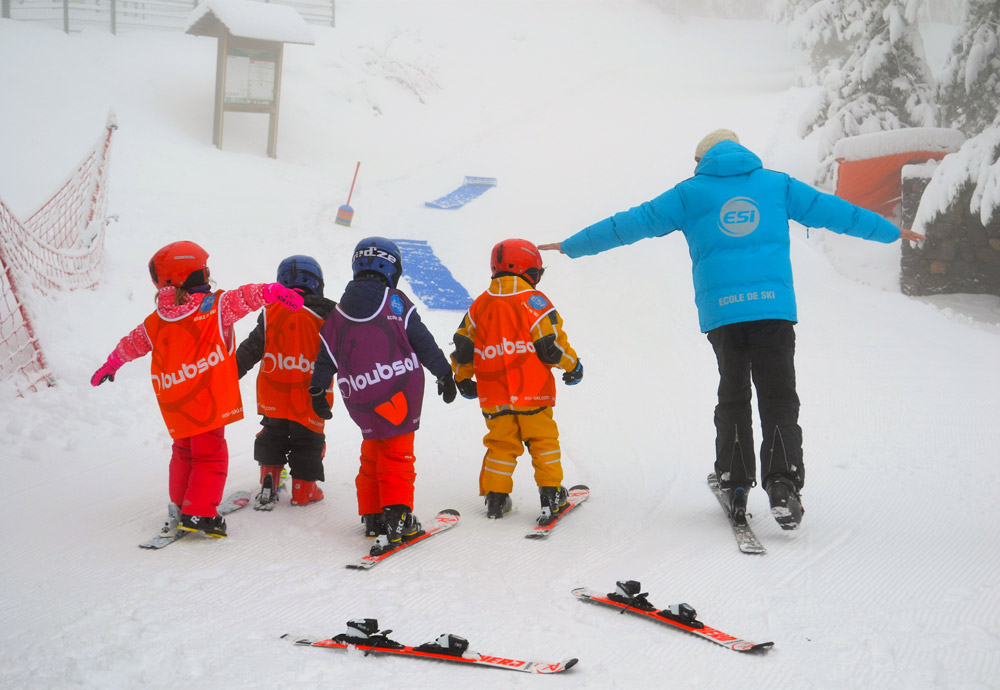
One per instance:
[(198, 468), (386, 475)]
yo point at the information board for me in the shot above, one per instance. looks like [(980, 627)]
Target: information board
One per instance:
[(250, 75)]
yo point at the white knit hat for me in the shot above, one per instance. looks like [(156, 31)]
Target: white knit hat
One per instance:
[(713, 138)]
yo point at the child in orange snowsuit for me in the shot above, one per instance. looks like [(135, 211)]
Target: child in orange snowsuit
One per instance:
[(507, 344), (193, 371)]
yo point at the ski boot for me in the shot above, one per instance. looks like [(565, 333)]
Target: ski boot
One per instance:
[(270, 481), (373, 524), (214, 527), (786, 506), (400, 525), (497, 505), (304, 493), (554, 500)]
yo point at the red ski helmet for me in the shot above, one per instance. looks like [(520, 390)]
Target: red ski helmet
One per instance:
[(517, 257), (181, 264)]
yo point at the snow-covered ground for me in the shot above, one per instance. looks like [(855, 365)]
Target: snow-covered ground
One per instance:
[(579, 109)]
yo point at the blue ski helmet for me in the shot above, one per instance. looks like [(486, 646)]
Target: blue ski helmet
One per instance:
[(379, 255), (302, 272)]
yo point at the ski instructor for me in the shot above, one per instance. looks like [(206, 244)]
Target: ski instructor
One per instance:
[(734, 214)]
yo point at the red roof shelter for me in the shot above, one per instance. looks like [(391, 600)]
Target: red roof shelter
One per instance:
[(869, 165)]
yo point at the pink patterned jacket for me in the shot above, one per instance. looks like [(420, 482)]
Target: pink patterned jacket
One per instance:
[(234, 305)]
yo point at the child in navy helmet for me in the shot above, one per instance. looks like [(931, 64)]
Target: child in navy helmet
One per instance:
[(376, 344), (285, 343), (190, 336)]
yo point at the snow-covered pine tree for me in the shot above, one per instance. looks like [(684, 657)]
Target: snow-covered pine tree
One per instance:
[(969, 85), (826, 29), (885, 83)]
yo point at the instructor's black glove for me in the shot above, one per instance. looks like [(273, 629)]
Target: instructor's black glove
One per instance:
[(467, 387), (321, 406), (446, 387), (571, 378)]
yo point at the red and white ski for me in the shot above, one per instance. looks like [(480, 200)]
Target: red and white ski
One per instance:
[(577, 495), (363, 635), (682, 616), (442, 521), (230, 503)]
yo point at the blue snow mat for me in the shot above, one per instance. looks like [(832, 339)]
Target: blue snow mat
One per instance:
[(430, 279), (470, 189)]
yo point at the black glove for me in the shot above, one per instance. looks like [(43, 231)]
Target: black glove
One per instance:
[(446, 387), (571, 378), (467, 387), (321, 406)]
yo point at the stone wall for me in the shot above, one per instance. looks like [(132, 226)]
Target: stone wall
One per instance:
[(959, 255)]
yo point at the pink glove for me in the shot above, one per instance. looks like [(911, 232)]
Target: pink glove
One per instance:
[(276, 292), (107, 370)]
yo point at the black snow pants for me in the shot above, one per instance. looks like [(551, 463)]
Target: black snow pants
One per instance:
[(282, 440), (764, 352)]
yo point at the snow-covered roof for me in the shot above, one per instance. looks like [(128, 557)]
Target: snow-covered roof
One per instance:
[(878, 144), (248, 19)]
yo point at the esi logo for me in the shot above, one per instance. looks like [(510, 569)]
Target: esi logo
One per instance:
[(739, 216), (396, 304)]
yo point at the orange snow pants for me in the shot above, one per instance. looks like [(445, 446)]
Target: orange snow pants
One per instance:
[(505, 440), (386, 475)]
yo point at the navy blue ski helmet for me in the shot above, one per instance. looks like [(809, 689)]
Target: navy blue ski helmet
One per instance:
[(379, 255), (302, 272)]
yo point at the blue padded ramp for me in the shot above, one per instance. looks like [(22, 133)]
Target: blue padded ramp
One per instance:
[(470, 189), (430, 279)]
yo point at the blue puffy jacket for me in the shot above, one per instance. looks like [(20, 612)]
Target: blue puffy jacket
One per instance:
[(734, 215)]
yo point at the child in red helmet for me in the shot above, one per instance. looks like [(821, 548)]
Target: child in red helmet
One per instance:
[(193, 371), (505, 347), (285, 343)]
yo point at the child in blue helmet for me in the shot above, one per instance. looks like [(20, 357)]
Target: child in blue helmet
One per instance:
[(285, 344), (376, 345)]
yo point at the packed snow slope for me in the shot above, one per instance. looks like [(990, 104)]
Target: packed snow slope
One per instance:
[(579, 109)]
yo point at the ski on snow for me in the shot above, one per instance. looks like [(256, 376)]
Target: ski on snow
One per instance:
[(442, 521), (577, 495), (363, 635), (230, 503), (627, 597), (746, 540)]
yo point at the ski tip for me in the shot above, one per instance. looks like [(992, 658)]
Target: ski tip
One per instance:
[(579, 486), (569, 663), (761, 647), (450, 511)]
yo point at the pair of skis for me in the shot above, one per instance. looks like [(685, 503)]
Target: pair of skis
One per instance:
[(448, 518), (363, 635)]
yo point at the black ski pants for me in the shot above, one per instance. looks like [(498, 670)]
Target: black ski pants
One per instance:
[(762, 352), (282, 440)]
